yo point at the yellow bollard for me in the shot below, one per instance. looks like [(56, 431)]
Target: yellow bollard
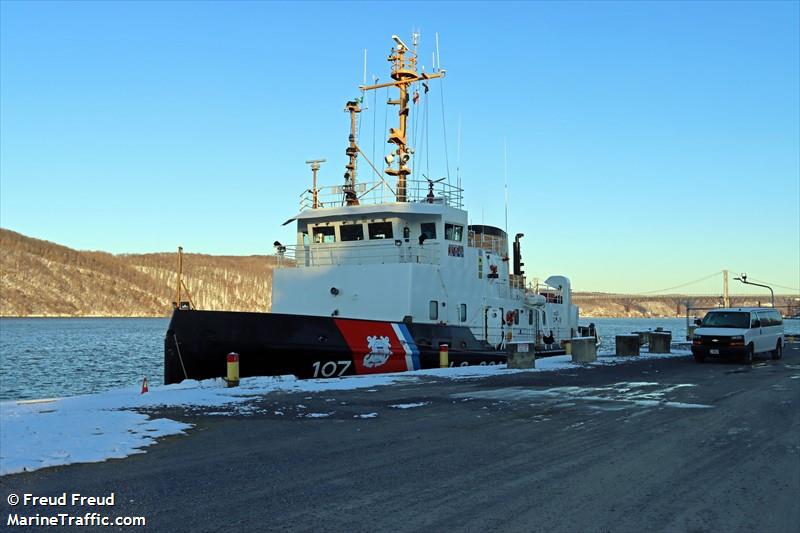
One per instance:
[(568, 347), (233, 370), (444, 356)]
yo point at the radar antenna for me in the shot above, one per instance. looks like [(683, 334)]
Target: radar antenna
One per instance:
[(315, 164)]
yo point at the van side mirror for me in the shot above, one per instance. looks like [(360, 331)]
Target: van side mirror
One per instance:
[(697, 321), (757, 323)]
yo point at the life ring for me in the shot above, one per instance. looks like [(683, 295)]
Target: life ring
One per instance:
[(510, 317)]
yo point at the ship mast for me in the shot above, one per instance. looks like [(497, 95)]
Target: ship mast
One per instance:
[(349, 189), (404, 72)]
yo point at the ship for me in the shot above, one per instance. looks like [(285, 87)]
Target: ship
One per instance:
[(385, 276)]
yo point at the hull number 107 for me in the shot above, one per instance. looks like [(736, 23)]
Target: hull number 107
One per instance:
[(329, 369)]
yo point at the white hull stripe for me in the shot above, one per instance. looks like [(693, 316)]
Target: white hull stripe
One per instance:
[(410, 347)]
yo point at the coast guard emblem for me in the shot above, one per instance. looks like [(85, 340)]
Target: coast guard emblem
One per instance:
[(379, 351)]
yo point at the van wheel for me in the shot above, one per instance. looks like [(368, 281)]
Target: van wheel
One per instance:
[(748, 355), (778, 353)]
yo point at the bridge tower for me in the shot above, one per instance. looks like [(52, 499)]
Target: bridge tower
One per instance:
[(726, 299)]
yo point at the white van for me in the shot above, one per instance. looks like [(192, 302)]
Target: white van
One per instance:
[(739, 332)]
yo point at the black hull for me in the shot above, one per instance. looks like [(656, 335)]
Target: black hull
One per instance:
[(271, 344)]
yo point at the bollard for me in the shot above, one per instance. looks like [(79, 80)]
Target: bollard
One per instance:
[(644, 337), (567, 346), (660, 341), (444, 356), (584, 349), (627, 344), (233, 370), (521, 355)]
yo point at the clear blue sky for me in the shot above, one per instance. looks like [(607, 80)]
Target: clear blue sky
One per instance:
[(649, 144)]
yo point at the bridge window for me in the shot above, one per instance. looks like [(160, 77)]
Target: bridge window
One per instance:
[(433, 310), (380, 230), (530, 317), (324, 234), (516, 317), (462, 312), (428, 229), (453, 232), (351, 232)]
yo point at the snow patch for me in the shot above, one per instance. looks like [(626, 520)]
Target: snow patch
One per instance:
[(624, 395), (409, 405), (95, 427)]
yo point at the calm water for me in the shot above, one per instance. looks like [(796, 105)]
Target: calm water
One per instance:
[(47, 357)]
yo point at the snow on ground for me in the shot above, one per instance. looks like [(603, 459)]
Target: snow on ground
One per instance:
[(614, 397), (409, 405), (95, 427)]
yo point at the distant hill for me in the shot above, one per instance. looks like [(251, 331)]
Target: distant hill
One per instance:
[(40, 278)]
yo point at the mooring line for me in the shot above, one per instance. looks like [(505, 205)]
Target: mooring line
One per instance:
[(175, 336)]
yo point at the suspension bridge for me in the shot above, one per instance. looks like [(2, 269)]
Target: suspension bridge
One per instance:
[(786, 299)]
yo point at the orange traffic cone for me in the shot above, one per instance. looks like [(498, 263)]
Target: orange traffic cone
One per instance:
[(144, 386)]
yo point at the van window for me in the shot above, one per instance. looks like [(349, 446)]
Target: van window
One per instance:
[(453, 232), (770, 318), (726, 319), (433, 310), (324, 234), (380, 230), (428, 229), (351, 232)]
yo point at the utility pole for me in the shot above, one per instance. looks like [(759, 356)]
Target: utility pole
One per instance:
[(726, 299)]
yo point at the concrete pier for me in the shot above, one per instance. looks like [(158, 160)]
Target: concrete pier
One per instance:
[(628, 344), (584, 350), (660, 341)]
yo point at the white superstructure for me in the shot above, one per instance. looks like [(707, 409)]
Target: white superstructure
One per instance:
[(416, 261)]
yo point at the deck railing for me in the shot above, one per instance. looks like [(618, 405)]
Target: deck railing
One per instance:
[(381, 192), (362, 253), (491, 243)]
